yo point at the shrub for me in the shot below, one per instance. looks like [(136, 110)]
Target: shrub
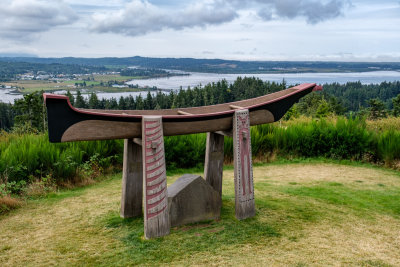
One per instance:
[(25, 158)]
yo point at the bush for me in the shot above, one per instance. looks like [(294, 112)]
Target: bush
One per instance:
[(25, 158), (29, 156)]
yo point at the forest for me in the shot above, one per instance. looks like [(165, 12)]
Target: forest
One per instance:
[(217, 65)]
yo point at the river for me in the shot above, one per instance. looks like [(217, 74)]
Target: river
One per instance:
[(195, 79)]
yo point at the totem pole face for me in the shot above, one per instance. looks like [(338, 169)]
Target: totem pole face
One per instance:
[(244, 172)]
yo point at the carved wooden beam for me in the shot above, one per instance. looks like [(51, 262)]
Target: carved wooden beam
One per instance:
[(180, 112), (244, 188), (224, 133), (138, 141), (235, 107)]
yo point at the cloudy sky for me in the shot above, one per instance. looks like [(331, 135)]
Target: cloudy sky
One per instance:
[(349, 30)]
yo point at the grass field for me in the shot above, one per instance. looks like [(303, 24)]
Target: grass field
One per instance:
[(30, 86), (308, 214)]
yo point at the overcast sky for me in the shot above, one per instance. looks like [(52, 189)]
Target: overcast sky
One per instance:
[(349, 30)]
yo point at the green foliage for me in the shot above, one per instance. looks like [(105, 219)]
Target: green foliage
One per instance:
[(29, 156), (80, 102), (354, 95), (93, 100), (323, 109), (3, 190), (213, 93), (309, 104), (377, 109), (185, 151), (396, 106), (30, 112), (7, 115), (347, 138), (388, 146), (145, 72), (292, 113)]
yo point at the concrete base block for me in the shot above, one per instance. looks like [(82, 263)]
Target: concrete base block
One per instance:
[(191, 199)]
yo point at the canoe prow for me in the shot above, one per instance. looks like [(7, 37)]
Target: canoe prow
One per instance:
[(67, 123)]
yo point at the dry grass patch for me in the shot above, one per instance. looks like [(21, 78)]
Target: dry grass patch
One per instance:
[(8, 203), (291, 228), (306, 173)]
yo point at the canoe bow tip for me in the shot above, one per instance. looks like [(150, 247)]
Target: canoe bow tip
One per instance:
[(54, 96), (317, 88)]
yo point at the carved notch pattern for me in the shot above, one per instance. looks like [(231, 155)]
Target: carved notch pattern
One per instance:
[(243, 156), (155, 175)]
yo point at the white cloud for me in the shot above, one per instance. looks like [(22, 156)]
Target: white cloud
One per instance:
[(23, 19), (313, 11), (140, 17)]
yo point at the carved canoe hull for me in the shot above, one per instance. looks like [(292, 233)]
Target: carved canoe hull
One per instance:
[(66, 123)]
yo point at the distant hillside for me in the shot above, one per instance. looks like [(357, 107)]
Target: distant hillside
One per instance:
[(217, 65), (9, 69)]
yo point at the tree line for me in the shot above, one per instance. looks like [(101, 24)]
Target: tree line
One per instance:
[(218, 65), (374, 101), (210, 94)]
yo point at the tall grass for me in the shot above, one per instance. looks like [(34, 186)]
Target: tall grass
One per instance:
[(388, 146), (345, 138), (185, 151), (29, 156)]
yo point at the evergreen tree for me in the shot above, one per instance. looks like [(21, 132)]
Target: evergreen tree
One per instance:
[(139, 102), (148, 102), (130, 103), (335, 106), (6, 116), (396, 105), (71, 97), (122, 103), (376, 109), (93, 101), (80, 101), (112, 104), (323, 109), (30, 112)]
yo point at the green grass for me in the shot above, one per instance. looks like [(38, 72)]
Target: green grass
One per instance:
[(29, 156), (307, 214), (385, 201), (32, 86)]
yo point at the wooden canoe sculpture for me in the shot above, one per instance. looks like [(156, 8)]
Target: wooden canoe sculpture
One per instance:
[(144, 175)]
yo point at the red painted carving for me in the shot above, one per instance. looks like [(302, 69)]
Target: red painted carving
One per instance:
[(245, 157), (155, 176), (244, 170)]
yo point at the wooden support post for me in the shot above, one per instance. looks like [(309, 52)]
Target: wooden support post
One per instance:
[(155, 197), (244, 188), (214, 163), (132, 180)]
